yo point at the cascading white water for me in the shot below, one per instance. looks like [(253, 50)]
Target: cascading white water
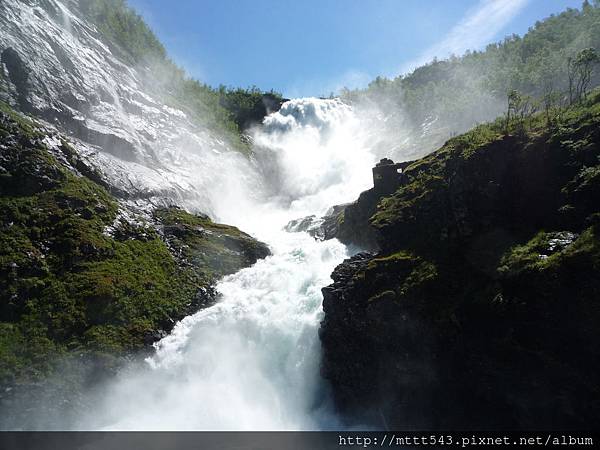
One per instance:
[(320, 152), (252, 360), (155, 152), (248, 363)]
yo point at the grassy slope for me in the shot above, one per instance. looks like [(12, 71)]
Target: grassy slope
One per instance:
[(68, 285)]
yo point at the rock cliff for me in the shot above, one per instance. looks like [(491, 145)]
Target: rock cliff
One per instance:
[(481, 308)]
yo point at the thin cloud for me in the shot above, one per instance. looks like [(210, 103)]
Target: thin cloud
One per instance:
[(480, 26), (351, 79)]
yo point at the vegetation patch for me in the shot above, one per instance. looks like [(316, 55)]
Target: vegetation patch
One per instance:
[(76, 278)]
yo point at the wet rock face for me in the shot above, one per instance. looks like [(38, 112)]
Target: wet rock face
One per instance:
[(354, 227), (56, 65), (321, 228), (18, 74), (59, 66), (479, 309)]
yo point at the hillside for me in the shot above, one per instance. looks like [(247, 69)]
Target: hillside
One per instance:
[(481, 308), (83, 278), (446, 97), (228, 110)]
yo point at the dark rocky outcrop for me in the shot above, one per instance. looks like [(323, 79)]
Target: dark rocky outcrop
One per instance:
[(18, 74), (388, 176), (321, 228), (481, 308), (353, 224), (350, 222), (249, 107), (207, 246)]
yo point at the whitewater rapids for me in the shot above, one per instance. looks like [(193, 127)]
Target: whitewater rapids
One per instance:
[(251, 361)]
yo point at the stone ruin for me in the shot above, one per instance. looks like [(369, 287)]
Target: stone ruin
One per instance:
[(388, 176)]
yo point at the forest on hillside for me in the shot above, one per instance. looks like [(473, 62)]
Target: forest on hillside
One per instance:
[(557, 55), (454, 93)]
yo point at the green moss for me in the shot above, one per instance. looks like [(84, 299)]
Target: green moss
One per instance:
[(175, 216), (469, 142), (399, 276), (218, 249), (64, 283), (74, 278), (544, 252), (388, 260), (26, 124), (533, 254), (406, 204)]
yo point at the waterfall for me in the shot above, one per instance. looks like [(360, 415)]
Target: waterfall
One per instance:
[(251, 361), (65, 17)]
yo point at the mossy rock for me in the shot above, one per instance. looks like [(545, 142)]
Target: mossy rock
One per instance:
[(218, 249), (485, 293), (76, 278)]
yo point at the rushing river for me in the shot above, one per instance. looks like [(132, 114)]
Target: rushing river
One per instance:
[(251, 361)]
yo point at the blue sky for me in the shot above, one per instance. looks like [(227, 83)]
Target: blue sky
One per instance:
[(314, 47)]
